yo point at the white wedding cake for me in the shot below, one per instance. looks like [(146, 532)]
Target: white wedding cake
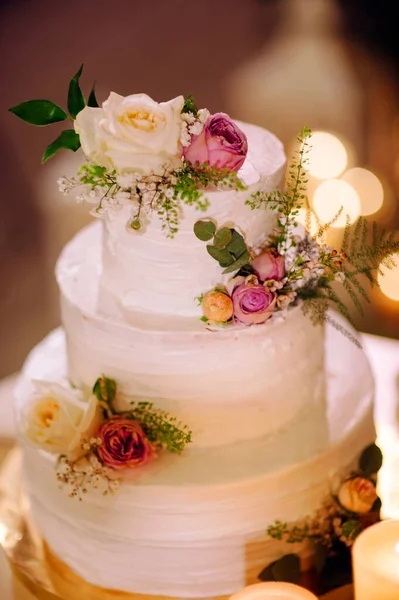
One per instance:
[(261, 408)]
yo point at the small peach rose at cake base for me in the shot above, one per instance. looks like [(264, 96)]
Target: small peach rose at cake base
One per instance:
[(221, 144), (123, 444), (357, 495)]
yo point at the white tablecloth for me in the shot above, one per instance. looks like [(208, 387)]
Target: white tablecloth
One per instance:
[(384, 358)]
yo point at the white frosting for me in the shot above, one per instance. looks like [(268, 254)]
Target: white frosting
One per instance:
[(148, 272), (201, 377), (180, 527), (267, 433)]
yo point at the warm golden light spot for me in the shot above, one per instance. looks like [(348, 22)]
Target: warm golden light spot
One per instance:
[(328, 198), (327, 156), (46, 412), (388, 279), (368, 187)]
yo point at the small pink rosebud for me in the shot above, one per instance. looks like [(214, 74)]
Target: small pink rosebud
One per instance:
[(269, 264)]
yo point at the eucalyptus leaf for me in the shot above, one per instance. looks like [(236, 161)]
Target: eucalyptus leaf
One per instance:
[(237, 244), (223, 256), (222, 238), (68, 139), (39, 112), (288, 568), (105, 389), (237, 264), (92, 100), (370, 461), (204, 230), (76, 100)]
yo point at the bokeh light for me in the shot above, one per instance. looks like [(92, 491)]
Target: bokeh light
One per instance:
[(327, 156), (388, 279), (328, 198), (368, 187)]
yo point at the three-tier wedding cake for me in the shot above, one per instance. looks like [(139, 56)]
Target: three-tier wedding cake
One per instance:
[(191, 412)]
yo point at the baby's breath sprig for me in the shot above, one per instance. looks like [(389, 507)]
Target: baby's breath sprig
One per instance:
[(86, 473), (160, 427), (161, 194)]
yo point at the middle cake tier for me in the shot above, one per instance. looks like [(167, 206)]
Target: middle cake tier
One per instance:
[(235, 385)]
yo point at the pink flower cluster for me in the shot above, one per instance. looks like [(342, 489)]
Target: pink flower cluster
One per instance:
[(252, 299)]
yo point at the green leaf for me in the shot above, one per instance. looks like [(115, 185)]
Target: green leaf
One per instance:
[(105, 389), (92, 101), (39, 112), (288, 568), (68, 139), (223, 256), (237, 244), (222, 238), (370, 461), (204, 230), (240, 262), (190, 105), (76, 100)]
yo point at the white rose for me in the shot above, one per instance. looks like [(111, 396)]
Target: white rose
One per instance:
[(56, 418), (132, 133)]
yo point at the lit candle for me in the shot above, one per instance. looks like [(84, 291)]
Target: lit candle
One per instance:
[(376, 562), (271, 589)]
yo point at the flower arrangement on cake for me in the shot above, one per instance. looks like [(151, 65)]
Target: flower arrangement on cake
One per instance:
[(155, 156), (95, 443)]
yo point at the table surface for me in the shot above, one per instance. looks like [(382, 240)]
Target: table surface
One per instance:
[(384, 358)]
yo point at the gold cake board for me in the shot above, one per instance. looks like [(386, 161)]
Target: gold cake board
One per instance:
[(39, 571)]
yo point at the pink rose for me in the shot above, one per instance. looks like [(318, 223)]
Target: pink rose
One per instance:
[(221, 144), (124, 444), (253, 303), (269, 265)]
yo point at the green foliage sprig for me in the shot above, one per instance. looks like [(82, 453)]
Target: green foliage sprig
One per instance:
[(289, 202), (160, 427), (228, 248), (190, 105), (151, 193), (45, 112)]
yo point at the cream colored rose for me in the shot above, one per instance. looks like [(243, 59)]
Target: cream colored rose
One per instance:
[(56, 418), (133, 133), (357, 495)]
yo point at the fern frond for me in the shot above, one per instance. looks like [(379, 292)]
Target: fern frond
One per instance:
[(353, 296), (322, 230), (346, 237)]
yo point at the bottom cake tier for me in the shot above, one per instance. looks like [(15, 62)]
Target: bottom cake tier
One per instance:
[(184, 527)]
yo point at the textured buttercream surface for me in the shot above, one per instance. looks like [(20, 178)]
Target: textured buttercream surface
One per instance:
[(238, 384), (146, 271), (179, 528)]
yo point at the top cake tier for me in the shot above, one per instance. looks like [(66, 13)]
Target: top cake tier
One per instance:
[(145, 271)]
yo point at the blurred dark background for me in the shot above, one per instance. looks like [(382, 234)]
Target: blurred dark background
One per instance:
[(330, 64)]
